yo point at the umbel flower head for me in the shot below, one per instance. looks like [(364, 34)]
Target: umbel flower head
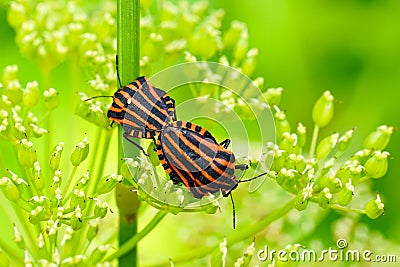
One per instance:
[(58, 212), (323, 176)]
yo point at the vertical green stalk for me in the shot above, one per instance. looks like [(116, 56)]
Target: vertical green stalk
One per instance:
[(314, 141), (128, 31)]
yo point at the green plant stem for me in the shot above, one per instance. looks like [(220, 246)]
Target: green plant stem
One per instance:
[(132, 242), (95, 176), (128, 44), (314, 141), (236, 236), (12, 252), (48, 122), (364, 179), (347, 209)]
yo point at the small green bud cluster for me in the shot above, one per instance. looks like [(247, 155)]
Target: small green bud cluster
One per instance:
[(93, 111), (158, 191), (220, 256), (326, 177), (18, 124), (46, 31), (66, 213)]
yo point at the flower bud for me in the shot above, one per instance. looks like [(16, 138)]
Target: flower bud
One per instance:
[(176, 201), (76, 219), (78, 199), (99, 253), (345, 140), (38, 181), (16, 15), (324, 198), (250, 61), (323, 110), (56, 157), (375, 208), (209, 204), (51, 98), (18, 238), (273, 96), (27, 260), (362, 155), (52, 230), (379, 139), (56, 181), (281, 122), (93, 229), (346, 194), (108, 183), (289, 143), (67, 243), (40, 241), (301, 131), (303, 197), (10, 190), (75, 261), (83, 181), (244, 261), (19, 182), (5, 126), (296, 162), (218, 258), (326, 145), (26, 153), (38, 214), (80, 152), (285, 177), (241, 48), (20, 131), (12, 88), (37, 131), (376, 166), (4, 260), (128, 165), (101, 208), (232, 35), (31, 95)]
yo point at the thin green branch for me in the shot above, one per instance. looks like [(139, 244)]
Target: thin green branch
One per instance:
[(236, 236), (314, 141), (132, 242), (128, 44)]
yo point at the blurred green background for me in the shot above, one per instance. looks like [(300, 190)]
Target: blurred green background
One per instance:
[(351, 48)]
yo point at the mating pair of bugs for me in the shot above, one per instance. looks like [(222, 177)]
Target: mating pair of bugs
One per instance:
[(189, 153)]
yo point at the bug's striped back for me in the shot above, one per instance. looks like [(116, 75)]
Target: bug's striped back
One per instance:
[(191, 155), (141, 109)]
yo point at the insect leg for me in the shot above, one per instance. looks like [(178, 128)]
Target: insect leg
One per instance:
[(225, 143), (126, 136), (233, 211), (242, 167), (173, 102), (116, 67)]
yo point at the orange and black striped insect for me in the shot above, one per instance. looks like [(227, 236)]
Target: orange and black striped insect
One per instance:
[(141, 109), (191, 155)]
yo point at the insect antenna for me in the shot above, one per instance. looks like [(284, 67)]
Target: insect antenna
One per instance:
[(99, 96), (253, 178), (233, 211), (116, 67)]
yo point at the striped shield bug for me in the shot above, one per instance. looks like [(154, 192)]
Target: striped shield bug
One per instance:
[(141, 109), (192, 156)]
